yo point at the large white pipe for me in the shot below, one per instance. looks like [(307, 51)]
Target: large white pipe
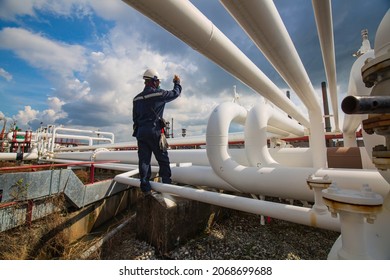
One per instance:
[(291, 213), (256, 124), (294, 157), (263, 24), (186, 22), (277, 181), (183, 173), (189, 174), (323, 16)]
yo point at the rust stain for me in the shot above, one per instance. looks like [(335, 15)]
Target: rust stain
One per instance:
[(313, 219)]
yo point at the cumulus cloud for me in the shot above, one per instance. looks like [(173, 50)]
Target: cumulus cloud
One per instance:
[(42, 52), (26, 115), (32, 118), (5, 74)]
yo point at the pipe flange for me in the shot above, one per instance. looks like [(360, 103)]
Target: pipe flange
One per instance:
[(377, 124), (365, 202), (318, 182), (364, 197), (375, 69)]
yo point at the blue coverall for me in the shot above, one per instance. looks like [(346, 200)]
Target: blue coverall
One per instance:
[(148, 107)]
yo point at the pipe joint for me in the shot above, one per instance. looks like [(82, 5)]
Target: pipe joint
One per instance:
[(353, 207), (318, 184)]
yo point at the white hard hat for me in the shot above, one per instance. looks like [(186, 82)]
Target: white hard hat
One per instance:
[(151, 74)]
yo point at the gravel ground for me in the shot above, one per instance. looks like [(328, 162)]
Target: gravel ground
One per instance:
[(240, 237)]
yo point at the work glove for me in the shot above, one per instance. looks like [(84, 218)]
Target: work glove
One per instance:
[(176, 79)]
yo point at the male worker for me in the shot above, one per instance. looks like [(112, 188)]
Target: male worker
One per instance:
[(148, 110)]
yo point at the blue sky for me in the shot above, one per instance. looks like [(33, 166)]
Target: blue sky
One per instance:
[(79, 63)]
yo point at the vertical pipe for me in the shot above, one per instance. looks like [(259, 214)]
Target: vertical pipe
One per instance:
[(323, 16), (263, 24), (328, 128)]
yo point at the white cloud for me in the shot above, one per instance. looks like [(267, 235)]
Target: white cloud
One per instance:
[(27, 115), (10, 9), (30, 117), (42, 52), (5, 74), (110, 10)]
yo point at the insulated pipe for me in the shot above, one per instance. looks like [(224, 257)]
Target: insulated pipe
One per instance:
[(188, 174), (276, 181), (294, 157), (186, 22), (292, 179), (259, 117), (189, 140), (256, 147), (248, 179), (291, 213), (323, 16), (263, 24)]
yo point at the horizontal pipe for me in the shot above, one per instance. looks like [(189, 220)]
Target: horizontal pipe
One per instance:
[(366, 105), (291, 213), (18, 156), (186, 22)]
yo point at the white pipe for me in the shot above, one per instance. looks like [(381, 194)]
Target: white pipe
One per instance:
[(293, 157), (258, 118), (295, 214), (323, 16), (189, 140), (263, 24), (294, 178), (54, 135), (184, 174), (186, 22), (273, 181), (82, 137), (16, 156)]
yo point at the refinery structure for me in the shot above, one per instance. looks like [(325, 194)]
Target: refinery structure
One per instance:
[(344, 189)]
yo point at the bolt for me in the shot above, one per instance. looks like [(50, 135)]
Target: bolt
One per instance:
[(333, 188), (370, 219), (379, 148), (366, 191)]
